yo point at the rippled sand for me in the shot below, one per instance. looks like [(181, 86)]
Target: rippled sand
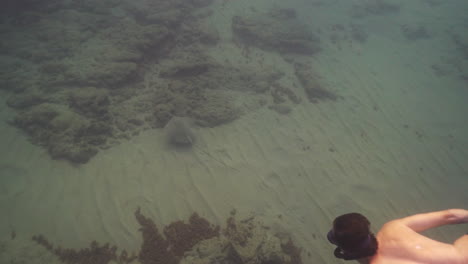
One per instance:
[(395, 144)]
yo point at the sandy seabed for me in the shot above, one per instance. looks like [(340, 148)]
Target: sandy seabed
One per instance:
[(395, 144)]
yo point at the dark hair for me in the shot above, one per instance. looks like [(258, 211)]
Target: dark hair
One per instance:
[(353, 237)]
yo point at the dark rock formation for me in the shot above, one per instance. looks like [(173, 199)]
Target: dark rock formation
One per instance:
[(65, 134), (197, 85), (247, 241), (25, 100), (178, 238), (94, 254), (311, 84), (90, 101), (374, 7), (412, 32), (277, 30)]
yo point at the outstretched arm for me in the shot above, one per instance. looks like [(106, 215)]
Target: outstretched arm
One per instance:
[(421, 222)]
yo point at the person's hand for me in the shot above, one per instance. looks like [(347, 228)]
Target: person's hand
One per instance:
[(459, 216)]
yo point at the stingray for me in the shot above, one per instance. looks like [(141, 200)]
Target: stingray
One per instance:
[(179, 134)]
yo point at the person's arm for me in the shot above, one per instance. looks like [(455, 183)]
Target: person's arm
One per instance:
[(421, 222)]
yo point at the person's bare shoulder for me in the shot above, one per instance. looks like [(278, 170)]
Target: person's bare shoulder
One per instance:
[(393, 229), (391, 234), (399, 243), (392, 261)]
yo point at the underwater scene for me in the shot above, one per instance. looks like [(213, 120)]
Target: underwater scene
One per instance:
[(225, 131)]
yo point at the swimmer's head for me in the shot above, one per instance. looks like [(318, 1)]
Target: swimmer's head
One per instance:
[(351, 233)]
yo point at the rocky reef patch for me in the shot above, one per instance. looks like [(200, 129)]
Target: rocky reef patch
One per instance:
[(84, 77), (197, 241)]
